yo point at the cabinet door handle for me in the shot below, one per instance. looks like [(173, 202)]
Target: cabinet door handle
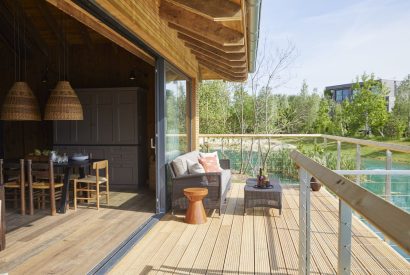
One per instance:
[(152, 144)]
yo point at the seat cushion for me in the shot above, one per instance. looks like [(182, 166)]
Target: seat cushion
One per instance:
[(225, 177)]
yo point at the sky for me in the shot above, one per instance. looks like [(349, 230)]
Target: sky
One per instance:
[(337, 40)]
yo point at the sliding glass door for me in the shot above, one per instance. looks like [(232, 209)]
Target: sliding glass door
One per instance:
[(173, 125)]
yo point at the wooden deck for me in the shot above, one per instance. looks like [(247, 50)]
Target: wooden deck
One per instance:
[(261, 242), (72, 243)]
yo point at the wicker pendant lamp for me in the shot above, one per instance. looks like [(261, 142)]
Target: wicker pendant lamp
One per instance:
[(20, 104), (63, 104)]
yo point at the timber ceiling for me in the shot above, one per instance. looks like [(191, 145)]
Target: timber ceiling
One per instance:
[(40, 27), (214, 30)]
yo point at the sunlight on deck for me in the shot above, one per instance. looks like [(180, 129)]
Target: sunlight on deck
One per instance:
[(260, 242)]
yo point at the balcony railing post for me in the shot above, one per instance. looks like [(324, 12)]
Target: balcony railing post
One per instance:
[(344, 239), (387, 188), (358, 163), (339, 155), (304, 222)]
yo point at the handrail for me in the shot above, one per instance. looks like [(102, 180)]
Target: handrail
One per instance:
[(371, 143), (374, 172), (390, 220)]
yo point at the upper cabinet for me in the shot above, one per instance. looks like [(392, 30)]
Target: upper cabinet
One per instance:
[(111, 116)]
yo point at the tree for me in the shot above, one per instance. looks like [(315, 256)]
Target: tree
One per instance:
[(367, 111), (214, 107), (401, 110), (323, 122)]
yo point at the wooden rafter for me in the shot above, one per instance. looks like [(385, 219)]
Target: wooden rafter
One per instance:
[(221, 67), (216, 10), (189, 36), (225, 75), (233, 70), (220, 54), (200, 25), (233, 64)]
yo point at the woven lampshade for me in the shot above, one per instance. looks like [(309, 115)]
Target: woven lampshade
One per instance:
[(20, 104), (63, 104)]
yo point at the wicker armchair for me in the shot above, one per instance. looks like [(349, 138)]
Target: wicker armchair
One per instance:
[(218, 185)]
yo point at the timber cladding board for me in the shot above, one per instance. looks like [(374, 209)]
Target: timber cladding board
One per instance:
[(143, 20)]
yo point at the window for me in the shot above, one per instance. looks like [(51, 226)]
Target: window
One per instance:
[(177, 112), (339, 95)]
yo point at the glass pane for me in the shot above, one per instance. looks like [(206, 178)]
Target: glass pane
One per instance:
[(176, 114)]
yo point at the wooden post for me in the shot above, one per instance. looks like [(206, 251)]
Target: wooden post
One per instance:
[(304, 222), (389, 162), (339, 155), (325, 142), (52, 189), (358, 163)]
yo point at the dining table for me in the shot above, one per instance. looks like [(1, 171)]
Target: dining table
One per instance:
[(68, 168)]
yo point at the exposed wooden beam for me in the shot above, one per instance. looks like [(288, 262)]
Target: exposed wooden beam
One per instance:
[(231, 70), (200, 25), (233, 64), (220, 54), (221, 67), (216, 10), (189, 36), (222, 73), (87, 19)]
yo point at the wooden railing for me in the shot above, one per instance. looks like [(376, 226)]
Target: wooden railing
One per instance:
[(389, 219)]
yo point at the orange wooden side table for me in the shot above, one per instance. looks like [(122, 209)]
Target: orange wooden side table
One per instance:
[(195, 213)]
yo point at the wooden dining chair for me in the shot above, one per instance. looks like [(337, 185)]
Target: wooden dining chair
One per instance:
[(89, 187), (13, 177), (41, 177)]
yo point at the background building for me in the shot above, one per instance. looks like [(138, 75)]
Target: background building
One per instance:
[(345, 91)]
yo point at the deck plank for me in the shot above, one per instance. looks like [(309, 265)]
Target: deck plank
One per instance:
[(263, 242), (74, 242)]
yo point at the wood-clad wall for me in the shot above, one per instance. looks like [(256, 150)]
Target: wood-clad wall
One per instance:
[(105, 65)]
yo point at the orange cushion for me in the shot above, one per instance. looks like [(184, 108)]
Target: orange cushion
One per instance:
[(210, 164)]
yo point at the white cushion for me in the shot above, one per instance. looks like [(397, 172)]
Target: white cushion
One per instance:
[(213, 154), (194, 167)]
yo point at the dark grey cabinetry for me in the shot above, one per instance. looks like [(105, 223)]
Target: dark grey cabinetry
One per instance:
[(111, 130)]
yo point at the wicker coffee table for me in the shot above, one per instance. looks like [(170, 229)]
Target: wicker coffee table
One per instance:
[(258, 197)]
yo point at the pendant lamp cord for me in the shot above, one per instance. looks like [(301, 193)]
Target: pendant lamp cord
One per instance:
[(18, 47), (25, 49), (15, 46)]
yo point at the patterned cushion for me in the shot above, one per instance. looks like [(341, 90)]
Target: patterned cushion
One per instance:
[(210, 164), (213, 154)]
